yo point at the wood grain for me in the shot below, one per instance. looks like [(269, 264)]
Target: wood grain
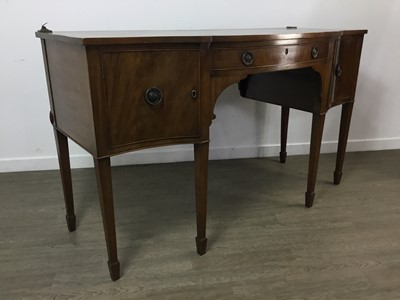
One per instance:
[(128, 74), (71, 94)]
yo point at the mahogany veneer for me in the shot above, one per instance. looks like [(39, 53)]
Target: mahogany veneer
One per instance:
[(118, 91)]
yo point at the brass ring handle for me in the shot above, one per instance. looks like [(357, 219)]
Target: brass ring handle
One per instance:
[(338, 71), (248, 58), (314, 52), (153, 96)]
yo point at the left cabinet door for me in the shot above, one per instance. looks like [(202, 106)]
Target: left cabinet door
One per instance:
[(152, 96)]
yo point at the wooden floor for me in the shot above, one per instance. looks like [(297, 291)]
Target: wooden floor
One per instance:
[(263, 243)]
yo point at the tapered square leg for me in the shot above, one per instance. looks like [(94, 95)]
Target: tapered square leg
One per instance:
[(104, 186), (65, 170), (345, 120), (114, 269), (315, 148), (309, 199), (201, 173), (201, 245), (284, 132)]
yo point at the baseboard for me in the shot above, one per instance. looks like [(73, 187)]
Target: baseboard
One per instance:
[(185, 153)]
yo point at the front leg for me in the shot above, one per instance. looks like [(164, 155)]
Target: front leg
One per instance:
[(104, 186), (315, 147), (201, 172)]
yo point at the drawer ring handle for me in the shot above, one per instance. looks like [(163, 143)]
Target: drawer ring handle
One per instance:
[(314, 52), (248, 58), (338, 71), (153, 96)]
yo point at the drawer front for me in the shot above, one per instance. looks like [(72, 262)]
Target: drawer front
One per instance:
[(345, 70), (227, 59), (152, 95)]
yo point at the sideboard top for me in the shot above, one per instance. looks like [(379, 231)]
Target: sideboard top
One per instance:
[(187, 36)]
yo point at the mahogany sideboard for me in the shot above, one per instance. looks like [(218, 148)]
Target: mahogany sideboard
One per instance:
[(119, 91)]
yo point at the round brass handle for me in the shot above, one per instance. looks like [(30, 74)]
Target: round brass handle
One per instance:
[(338, 71), (153, 96), (248, 58), (314, 52)]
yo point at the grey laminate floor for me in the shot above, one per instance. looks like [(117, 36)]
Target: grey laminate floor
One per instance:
[(263, 243)]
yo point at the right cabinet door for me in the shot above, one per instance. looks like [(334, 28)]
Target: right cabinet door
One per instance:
[(345, 70)]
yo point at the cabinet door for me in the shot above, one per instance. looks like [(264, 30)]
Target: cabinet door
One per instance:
[(169, 78), (345, 70)]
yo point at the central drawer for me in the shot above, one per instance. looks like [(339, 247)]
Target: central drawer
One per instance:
[(239, 58), (151, 95)]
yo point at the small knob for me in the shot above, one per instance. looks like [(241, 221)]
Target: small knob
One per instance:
[(194, 94), (153, 96), (248, 58), (338, 71), (314, 52), (51, 117)]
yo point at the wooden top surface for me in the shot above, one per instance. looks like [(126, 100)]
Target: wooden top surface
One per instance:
[(184, 36)]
